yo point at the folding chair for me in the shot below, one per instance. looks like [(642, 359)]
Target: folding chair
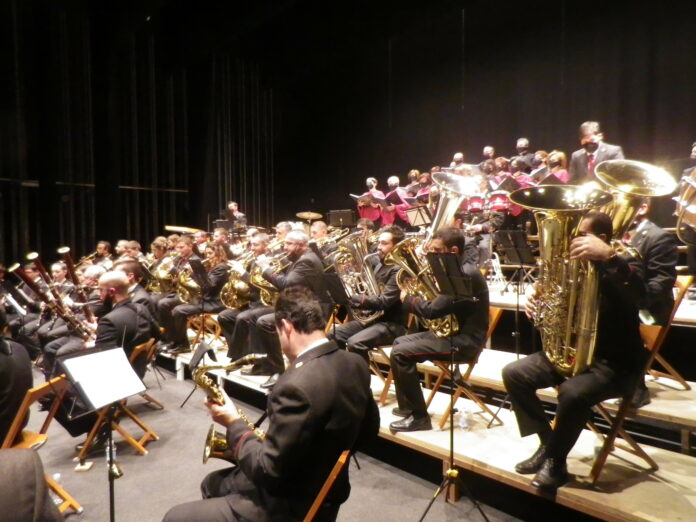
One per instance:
[(328, 484), (29, 439), (682, 284), (653, 337), (123, 410), (146, 351), (204, 325), (389, 379), (494, 315)]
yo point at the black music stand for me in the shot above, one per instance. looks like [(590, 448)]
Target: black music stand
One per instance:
[(103, 378), (196, 359), (452, 281), (418, 216)]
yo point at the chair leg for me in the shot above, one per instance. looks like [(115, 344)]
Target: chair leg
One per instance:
[(68, 501), (670, 374), (440, 379), (90, 436), (151, 400), (385, 390)]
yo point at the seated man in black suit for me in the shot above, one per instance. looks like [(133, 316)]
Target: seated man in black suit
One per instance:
[(619, 358), (321, 406), (134, 271), (15, 378), (468, 341)]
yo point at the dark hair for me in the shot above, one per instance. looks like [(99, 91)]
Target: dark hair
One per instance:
[(367, 223), (451, 237), (299, 305), (130, 266), (106, 244), (600, 223), (396, 232)]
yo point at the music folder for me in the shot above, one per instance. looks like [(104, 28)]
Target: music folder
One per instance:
[(101, 377)]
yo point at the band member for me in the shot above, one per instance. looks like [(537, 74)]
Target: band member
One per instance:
[(367, 225), (593, 152), (468, 342), (24, 328), (200, 241), (136, 292), (221, 237), (305, 269), (320, 407), (211, 282), (282, 229), (101, 256), (367, 206), (236, 323), (236, 218), (121, 248), (318, 230), (360, 339), (619, 358), (172, 241)]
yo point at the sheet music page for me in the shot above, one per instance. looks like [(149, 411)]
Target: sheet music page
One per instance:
[(105, 377)]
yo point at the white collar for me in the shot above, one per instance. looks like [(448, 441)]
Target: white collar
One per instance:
[(316, 343)]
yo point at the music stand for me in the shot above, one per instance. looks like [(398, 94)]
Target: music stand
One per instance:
[(341, 218), (103, 378), (418, 216), (452, 281), (196, 359)]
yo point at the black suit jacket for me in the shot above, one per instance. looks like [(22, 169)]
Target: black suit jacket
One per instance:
[(139, 295), (389, 299), (128, 324), (578, 161), (308, 271), (15, 379), (658, 250), (319, 407), (211, 283)]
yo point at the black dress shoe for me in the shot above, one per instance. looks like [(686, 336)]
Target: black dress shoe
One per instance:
[(552, 475), (270, 382), (411, 423), (532, 464), (640, 398), (401, 413), (257, 369), (98, 443), (178, 349)]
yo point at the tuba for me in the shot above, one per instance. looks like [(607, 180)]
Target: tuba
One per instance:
[(686, 209), (567, 308), (215, 443), (356, 275)]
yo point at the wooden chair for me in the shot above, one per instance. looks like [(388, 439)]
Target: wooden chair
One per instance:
[(653, 337), (124, 411), (147, 351), (682, 284), (494, 315), (389, 379), (343, 459), (29, 439), (204, 325)]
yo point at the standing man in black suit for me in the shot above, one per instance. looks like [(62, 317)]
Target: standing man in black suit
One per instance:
[(409, 350), (305, 269), (361, 339), (321, 406), (618, 363), (593, 151)]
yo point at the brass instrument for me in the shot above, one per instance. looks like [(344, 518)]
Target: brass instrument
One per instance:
[(216, 443), (568, 289), (235, 293), (64, 252), (187, 288), (163, 279), (268, 293), (356, 275), (334, 235), (686, 209)]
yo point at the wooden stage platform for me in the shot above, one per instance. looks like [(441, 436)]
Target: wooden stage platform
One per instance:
[(626, 490)]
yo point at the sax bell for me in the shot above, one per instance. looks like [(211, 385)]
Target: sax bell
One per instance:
[(216, 446)]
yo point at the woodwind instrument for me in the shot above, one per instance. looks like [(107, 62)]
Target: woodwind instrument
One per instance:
[(64, 252)]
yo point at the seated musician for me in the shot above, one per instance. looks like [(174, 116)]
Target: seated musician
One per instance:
[(136, 292), (24, 327), (305, 268), (54, 327), (360, 339), (468, 341), (211, 278), (619, 358), (320, 407), (236, 322)]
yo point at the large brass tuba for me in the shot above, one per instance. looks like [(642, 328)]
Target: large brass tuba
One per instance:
[(356, 274), (215, 443), (686, 209), (567, 290)]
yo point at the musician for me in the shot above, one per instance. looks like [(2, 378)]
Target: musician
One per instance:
[(360, 339), (211, 280), (619, 358), (318, 230), (522, 147), (15, 378), (136, 292), (395, 212), (235, 217), (594, 150), (468, 342), (236, 322), (172, 241), (320, 407), (221, 237), (166, 304), (366, 225), (121, 248), (200, 241), (368, 207), (101, 256), (24, 328), (305, 269)]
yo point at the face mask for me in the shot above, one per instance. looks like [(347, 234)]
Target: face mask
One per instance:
[(521, 150), (555, 164), (591, 147), (393, 186)]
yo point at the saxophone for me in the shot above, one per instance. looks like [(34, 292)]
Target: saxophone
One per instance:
[(215, 443), (357, 276)]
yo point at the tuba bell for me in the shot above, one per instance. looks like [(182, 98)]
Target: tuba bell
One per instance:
[(356, 275), (686, 209)]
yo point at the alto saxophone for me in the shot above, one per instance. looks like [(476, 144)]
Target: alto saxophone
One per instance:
[(215, 443)]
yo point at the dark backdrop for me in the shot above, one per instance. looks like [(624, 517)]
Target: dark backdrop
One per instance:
[(120, 117)]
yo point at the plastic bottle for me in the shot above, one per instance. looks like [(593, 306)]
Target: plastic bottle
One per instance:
[(54, 496)]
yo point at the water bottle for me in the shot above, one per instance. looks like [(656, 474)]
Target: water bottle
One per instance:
[(54, 496), (113, 452), (466, 420)]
